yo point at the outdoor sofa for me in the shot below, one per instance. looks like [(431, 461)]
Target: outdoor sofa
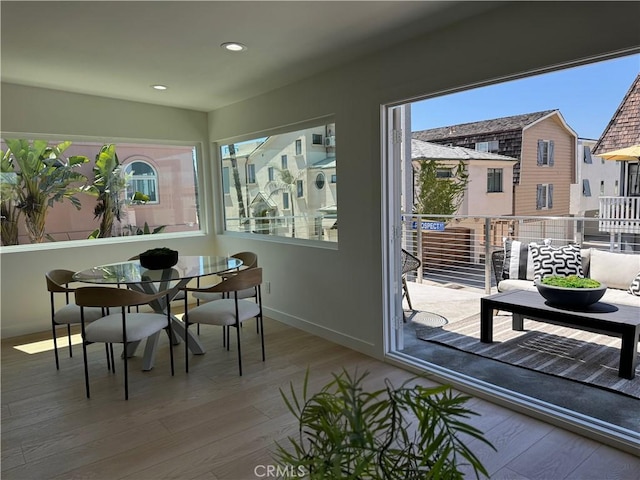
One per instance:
[(620, 272)]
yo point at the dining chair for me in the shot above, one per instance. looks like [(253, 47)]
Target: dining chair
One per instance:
[(58, 281), (249, 260), (122, 327), (229, 311), (410, 263)]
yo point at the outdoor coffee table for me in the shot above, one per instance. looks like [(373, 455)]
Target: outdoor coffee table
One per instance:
[(605, 318)]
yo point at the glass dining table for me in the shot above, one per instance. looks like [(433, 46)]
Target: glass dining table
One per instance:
[(136, 277)]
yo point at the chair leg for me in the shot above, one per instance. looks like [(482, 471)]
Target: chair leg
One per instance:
[(170, 333), (69, 340), (239, 352), (113, 362), (126, 372), (55, 345), (261, 335), (405, 288), (106, 351), (86, 367)]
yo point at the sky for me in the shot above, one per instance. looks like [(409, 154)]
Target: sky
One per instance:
[(586, 96)]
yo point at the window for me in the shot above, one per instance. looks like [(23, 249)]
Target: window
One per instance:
[(444, 173), (257, 172), (615, 188), (601, 188), (633, 180), (251, 173), (165, 173), (316, 138), (491, 146), (586, 188), (587, 155), (545, 152), (544, 196), (141, 177), (334, 178), (225, 181), (494, 180)]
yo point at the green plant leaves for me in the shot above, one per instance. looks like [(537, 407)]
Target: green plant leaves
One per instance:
[(409, 432)]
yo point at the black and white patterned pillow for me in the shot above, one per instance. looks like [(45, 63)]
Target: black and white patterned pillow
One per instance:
[(548, 261), (518, 263), (516, 260), (634, 288)]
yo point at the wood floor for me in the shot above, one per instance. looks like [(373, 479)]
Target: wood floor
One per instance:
[(213, 424)]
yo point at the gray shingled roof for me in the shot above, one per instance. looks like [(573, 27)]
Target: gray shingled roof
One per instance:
[(421, 149), (496, 125), (623, 129)]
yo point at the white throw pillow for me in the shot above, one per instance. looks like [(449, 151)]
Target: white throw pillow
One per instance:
[(615, 270)]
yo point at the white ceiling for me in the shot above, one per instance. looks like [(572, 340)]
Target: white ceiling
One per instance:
[(119, 49)]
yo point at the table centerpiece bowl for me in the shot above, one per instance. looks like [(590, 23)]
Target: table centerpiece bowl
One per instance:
[(570, 291), (159, 258)]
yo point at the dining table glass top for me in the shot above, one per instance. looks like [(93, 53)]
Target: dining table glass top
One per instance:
[(131, 272)]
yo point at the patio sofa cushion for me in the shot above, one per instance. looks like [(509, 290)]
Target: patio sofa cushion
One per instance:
[(615, 270), (549, 261)]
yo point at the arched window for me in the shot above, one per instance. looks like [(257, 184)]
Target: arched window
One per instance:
[(142, 177)]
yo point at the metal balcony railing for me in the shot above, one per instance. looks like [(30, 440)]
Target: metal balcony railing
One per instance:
[(456, 250)]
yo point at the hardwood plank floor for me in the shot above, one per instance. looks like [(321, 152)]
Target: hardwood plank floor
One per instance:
[(214, 425)]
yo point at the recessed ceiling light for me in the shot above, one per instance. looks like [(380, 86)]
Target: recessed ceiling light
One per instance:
[(159, 87), (234, 46)]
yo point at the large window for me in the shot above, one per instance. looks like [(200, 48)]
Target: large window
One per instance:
[(273, 192), (117, 189)]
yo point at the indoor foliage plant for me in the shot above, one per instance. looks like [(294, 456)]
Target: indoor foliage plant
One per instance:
[(409, 432)]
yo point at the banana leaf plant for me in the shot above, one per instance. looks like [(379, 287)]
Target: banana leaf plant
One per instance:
[(40, 176), (109, 186), (9, 211)]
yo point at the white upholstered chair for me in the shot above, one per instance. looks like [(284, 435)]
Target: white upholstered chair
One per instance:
[(122, 327), (230, 310)]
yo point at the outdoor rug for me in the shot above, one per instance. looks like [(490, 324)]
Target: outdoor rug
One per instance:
[(565, 352)]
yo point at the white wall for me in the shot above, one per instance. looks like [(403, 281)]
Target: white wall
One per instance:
[(334, 292)]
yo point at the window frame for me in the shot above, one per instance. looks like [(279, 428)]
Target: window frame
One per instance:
[(131, 178), (198, 162), (491, 180)]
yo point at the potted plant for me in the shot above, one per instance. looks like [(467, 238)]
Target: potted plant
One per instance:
[(41, 176), (570, 291), (409, 432)]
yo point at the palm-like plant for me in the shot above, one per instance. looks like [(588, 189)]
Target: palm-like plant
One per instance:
[(109, 185), (287, 183), (42, 177), (405, 433), (9, 211)]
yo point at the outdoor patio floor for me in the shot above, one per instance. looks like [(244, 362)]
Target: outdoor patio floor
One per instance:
[(456, 303)]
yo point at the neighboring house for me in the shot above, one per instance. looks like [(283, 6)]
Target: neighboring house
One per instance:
[(542, 142), (488, 189), (623, 209), (596, 177), (303, 205)]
